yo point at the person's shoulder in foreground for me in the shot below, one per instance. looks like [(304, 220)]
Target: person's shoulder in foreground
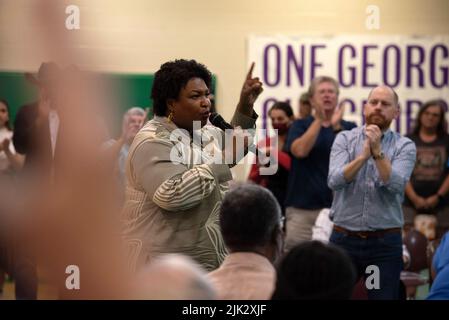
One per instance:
[(440, 286)]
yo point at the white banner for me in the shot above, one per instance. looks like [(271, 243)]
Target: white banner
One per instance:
[(416, 67)]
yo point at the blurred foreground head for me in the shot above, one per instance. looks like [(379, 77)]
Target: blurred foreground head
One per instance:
[(251, 221), (315, 271), (172, 277)]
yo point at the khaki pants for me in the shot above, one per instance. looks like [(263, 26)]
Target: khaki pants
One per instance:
[(299, 224)]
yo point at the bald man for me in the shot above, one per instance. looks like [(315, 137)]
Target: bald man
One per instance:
[(369, 168), (172, 277)]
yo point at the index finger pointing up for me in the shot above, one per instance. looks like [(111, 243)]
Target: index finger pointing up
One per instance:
[(250, 72)]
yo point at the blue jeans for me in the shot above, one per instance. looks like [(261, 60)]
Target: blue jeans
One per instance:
[(385, 252)]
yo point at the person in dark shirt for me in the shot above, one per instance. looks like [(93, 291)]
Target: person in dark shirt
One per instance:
[(427, 191), (309, 142)]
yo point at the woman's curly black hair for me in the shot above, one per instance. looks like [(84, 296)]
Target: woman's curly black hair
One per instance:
[(171, 78)]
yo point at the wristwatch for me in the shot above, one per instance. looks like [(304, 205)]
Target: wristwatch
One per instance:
[(380, 156)]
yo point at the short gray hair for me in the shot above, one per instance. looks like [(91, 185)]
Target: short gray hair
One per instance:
[(134, 111), (316, 81)]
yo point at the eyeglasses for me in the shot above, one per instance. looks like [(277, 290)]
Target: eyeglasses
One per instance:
[(282, 222), (435, 115)]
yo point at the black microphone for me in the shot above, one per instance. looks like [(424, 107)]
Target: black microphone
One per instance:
[(219, 122)]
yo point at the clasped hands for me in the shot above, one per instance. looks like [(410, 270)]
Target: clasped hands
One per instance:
[(372, 146)]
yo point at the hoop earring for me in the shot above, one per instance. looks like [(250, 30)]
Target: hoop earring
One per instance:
[(170, 117)]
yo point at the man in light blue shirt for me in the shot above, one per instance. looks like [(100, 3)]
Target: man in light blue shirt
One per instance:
[(369, 168)]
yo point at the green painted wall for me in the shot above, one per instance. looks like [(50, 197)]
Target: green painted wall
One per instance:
[(129, 89)]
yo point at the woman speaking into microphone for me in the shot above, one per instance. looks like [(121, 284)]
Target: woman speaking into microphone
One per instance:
[(172, 205)]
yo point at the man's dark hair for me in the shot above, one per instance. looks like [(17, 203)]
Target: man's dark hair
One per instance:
[(249, 216), (171, 78), (313, 271), (284, 106), (441, 126)]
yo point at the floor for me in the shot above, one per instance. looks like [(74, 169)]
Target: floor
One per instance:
[(44, 291)]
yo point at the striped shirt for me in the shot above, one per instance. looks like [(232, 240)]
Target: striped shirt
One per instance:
[(174, 192)]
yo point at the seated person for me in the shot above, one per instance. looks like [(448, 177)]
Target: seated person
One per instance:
[(426, 224), (172, 277), (315, 271), (250, 221)]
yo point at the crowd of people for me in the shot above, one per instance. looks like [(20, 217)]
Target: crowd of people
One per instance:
[(342, 200)]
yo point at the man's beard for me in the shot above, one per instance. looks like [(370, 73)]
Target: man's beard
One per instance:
[(379, 120)]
